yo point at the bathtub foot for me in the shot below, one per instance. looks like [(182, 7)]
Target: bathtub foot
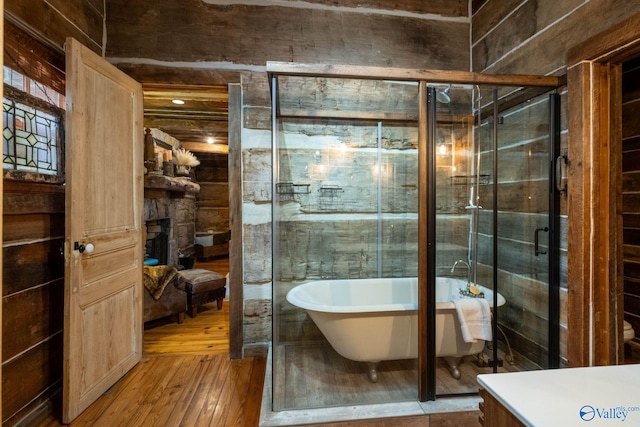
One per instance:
[(452, 366), (371, 371)]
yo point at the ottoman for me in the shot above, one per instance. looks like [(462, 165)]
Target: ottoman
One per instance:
[(203, 286)]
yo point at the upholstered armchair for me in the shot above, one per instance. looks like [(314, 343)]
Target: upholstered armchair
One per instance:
[(164, 293)]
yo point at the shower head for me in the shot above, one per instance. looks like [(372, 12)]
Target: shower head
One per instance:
[(443, 96)]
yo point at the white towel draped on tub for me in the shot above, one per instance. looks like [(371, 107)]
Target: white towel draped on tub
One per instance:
[(475, 318)]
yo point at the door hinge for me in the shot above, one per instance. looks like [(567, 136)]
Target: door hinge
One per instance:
[(493, 363)]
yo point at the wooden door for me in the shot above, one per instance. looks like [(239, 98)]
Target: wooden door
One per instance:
[(104, 208)]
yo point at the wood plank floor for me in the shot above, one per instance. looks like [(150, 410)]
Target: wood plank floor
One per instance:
[(185, 378)]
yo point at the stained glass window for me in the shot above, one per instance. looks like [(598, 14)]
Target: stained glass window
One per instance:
[(32, 121), (30, 138)]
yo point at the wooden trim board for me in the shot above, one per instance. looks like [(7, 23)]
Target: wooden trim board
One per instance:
[(236, 274), (406, 74), (594, 266)]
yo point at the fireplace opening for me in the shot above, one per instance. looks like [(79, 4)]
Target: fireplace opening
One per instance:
[(157, 244)]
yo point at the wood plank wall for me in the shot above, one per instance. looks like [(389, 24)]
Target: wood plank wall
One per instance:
[(533, 36), (631, 192), (212, 213), (196, 31), (52, 21), (32, 296)]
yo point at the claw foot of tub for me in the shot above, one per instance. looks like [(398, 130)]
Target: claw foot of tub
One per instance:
[(372, 373), (452, 366)]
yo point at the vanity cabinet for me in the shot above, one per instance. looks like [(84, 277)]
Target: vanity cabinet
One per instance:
[(494, 414)]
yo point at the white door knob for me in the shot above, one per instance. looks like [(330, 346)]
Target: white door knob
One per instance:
[(88, 248)]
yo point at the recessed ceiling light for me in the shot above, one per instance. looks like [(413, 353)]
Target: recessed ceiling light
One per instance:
[(210, 140), (177, 101)]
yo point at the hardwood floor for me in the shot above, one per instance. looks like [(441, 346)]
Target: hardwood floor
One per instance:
[(185, 378), (182, 390)]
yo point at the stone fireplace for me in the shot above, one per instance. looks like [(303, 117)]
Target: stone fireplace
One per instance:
[(170, 217)]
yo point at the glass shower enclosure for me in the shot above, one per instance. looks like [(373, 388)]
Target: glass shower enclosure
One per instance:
[(393, 198)]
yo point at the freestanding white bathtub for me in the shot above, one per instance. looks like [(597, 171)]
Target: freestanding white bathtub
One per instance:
[(370, 320)]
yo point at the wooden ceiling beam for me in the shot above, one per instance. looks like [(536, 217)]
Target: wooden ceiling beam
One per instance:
[(195, 116), (204, 126), (188, 105), (195, 136), (200, 147), (185, 92)]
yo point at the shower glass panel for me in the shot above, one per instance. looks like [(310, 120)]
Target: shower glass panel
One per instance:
[(493, 168), (523, 215), (459, 182), (345, 215)]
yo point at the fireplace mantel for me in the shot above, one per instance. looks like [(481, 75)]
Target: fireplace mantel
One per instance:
[(169, 183)]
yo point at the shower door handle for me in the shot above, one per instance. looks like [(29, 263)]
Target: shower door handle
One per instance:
[(560, 161), (536, 240)]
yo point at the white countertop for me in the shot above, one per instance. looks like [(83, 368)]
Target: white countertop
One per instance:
[(596, 396)]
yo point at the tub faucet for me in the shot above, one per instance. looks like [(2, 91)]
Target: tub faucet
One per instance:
[(461, 261), (467, 291)]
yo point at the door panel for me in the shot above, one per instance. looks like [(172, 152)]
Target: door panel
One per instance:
[(104, 207)]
